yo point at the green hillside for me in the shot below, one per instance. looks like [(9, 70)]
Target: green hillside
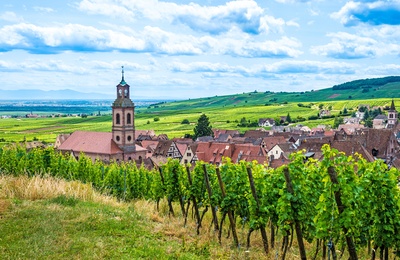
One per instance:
[(388, 87)]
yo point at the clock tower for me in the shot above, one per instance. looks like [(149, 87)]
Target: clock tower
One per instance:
[(123, 118)]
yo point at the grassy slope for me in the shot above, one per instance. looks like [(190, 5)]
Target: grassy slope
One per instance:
[(47, 218), (62, 222)]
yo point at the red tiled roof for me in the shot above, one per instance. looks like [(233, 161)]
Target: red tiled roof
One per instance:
[(90, 142), (271, 141)]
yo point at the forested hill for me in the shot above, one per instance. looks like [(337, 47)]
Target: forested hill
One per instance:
[(367, 83), (363, 89)]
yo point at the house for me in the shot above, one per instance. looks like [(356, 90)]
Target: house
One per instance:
[(284, 148), (268, 142), (324, 112), (117, 145), (168, 149), (379, 122), (351, 120), (189, 153), (265, 122), (150, 146), (60, 139), (360, 115), (350, 128)]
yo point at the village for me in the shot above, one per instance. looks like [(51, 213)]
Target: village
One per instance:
[(272, 147)]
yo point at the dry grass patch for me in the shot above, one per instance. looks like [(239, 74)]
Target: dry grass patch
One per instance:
[(4, 204), (38, 188)]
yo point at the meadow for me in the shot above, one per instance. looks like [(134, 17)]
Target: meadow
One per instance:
[(167, 118)]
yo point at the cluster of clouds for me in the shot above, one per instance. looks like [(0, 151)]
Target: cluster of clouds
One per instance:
[(234, 29)]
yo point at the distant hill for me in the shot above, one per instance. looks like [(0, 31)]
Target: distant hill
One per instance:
[(367, 84), (388, 87), (65, 94)]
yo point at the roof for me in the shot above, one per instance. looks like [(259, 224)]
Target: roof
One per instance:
[(90, 142), (270, 141), (217, 132), (163, 147), (249, 152), (256, 133), (381, 116), (213, 152), (138, 133)]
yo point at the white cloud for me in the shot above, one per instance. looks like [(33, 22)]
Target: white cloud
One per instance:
[(306, 66), (349, 46), (370, 12), (11, 17), (259, 70), (79, 38), (43, 9), (107, 8), (248, 16)]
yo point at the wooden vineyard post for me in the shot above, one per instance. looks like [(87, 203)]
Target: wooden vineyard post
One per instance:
[(350, 244), (209, 191), (171, 209), (196, 209), (254, 193), (299, 234), (230, 215)]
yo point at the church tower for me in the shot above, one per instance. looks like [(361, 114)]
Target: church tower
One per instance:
[(392, 116), (123, 118)]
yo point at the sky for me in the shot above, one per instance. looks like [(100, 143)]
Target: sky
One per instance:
[(186, 49)]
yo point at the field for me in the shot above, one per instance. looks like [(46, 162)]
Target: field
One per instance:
[(167, 118)]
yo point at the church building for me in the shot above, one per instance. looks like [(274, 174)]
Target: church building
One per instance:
[(117, 145)]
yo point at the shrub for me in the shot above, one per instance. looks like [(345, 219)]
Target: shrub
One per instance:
[(156, 119), (185, 122)]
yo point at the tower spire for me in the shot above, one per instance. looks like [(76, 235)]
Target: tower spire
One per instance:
[(122, 80), (392, 107)]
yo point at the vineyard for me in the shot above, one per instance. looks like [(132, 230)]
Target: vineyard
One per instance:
[(342, 205)]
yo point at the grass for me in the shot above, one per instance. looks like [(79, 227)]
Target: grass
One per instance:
[(53, 219), (48, 218)]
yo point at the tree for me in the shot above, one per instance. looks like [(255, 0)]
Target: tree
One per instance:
[(368, 122), (366, 114), (345, 111), (288, 119), (338, 121), (243, 122), (203, 127)]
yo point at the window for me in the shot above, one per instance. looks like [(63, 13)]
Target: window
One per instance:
[(118, 119), (129, 138), (391, 116), (128, 119), (188, 154), (117, 138)]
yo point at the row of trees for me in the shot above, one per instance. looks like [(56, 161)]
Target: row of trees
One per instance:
[(341, 201)]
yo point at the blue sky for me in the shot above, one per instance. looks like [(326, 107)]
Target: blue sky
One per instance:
[(187, 49)]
